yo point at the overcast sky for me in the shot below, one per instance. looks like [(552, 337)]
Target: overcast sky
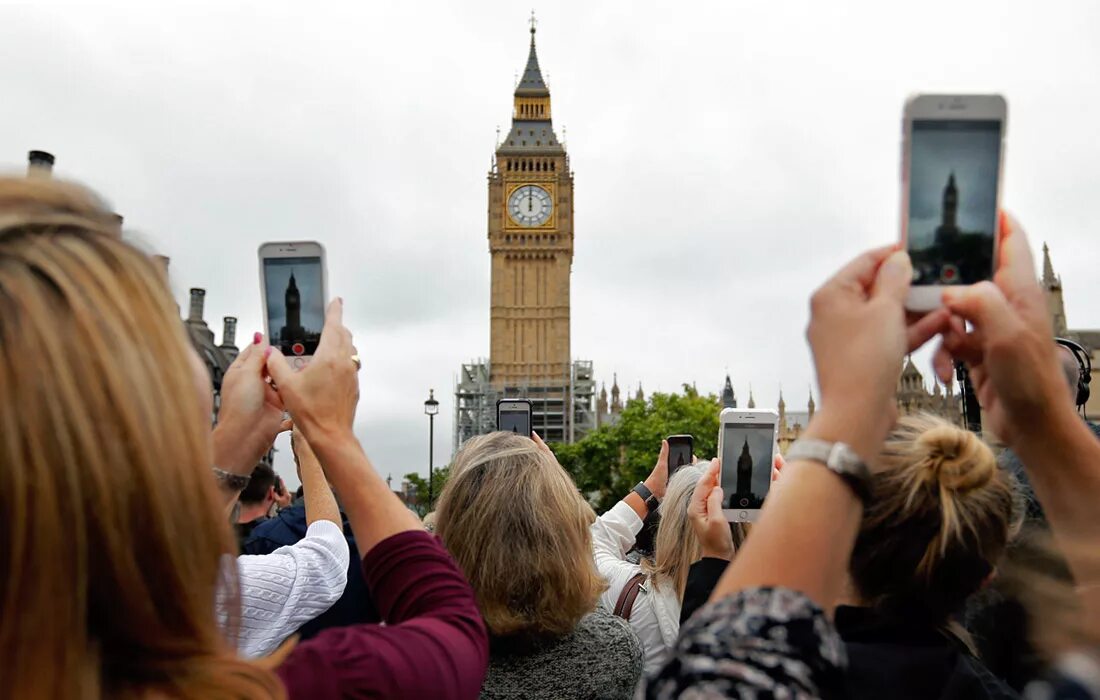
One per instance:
[(727, 157)]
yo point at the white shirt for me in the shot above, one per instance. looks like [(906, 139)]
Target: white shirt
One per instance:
[(283, 590), (655, 616)]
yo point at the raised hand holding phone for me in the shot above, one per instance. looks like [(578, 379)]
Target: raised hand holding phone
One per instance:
[(323, 396), (952, 164), (251, 413), (707, 520)]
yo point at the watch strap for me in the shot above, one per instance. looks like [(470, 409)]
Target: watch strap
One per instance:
[(236, 482), (838, 458), (647, 497)]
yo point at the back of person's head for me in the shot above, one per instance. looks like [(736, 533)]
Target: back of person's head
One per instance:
[(515, 523), (940, 517), (112, 538), (676, 547), (261, 486)]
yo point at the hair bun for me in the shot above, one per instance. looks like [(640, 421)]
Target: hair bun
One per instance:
[(956, 459)]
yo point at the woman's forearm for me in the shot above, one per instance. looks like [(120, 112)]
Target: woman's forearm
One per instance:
[(319, 501), (1063, 465), (807, 528), (374, 512)]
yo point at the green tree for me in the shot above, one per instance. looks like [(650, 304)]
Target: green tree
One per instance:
[(439, 479), (607, 462)]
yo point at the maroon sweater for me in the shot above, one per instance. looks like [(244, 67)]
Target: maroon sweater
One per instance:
[(433, 644)]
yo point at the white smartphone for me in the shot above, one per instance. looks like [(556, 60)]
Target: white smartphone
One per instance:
[(952, 165), (514, 416), (746, 444), (294, 290)]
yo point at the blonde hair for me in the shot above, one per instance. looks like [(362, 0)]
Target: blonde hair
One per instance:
[(515, 523), (676, 547), (113, 541), (941, 515)]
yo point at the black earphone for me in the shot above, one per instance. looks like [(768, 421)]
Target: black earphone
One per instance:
[(1084, 369)]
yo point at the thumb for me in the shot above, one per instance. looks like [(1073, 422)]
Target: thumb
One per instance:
[(714, 502), (893, 277), (278, 368), (983, 304)]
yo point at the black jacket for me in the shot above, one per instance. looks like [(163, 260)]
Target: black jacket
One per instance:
[(905, 660), (289, 526), (702, 578)]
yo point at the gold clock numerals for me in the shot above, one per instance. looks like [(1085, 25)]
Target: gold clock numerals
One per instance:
[(530, 205)]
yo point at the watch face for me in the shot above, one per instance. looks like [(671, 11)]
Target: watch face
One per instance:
[(530, 205)]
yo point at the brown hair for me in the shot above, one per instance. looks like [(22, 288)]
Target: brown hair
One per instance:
[(114, 545), (941, 514), (515, 523)]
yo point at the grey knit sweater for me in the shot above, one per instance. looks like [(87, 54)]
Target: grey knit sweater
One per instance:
[(602, 658)]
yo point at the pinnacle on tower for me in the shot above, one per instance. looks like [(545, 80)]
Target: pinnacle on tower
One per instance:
[(752, 401), (1050, 280)]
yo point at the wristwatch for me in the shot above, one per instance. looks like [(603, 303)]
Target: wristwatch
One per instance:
[(647, 496), (839, 458)]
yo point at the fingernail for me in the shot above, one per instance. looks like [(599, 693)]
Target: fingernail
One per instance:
[(257, 337), (267, 353)]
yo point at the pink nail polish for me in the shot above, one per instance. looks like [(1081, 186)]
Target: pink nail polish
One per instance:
[(267, 353), (257, 337)]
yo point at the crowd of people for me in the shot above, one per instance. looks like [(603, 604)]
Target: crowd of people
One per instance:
[(145, 554)]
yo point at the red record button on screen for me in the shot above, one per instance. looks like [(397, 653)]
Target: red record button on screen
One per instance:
[(949, 273), (298, 349)]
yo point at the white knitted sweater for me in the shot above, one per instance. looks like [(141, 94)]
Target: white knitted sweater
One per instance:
[(283, 590)]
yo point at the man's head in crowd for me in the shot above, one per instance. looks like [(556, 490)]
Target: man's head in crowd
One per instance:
[(941, 515), (258, 497), (515, 523)]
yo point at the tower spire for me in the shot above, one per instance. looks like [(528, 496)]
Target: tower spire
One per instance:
[(729, 399), (532, 84)]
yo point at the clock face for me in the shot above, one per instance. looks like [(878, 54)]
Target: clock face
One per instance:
[(530, 205)]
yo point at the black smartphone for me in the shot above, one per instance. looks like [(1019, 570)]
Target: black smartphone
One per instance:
[(514, 416), (680, 451)]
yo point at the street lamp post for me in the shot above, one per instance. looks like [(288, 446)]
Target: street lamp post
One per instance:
[(431, 407)]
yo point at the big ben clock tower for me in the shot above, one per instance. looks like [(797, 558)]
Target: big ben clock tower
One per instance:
[(531, 245), (531, 250)]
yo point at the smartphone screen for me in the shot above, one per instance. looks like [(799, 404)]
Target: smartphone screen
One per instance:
[(746, 464), (953, 179), (679, 452), (515, 418), (295, 303)]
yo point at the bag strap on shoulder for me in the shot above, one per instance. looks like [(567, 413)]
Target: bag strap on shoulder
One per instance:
[(629, 593)]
